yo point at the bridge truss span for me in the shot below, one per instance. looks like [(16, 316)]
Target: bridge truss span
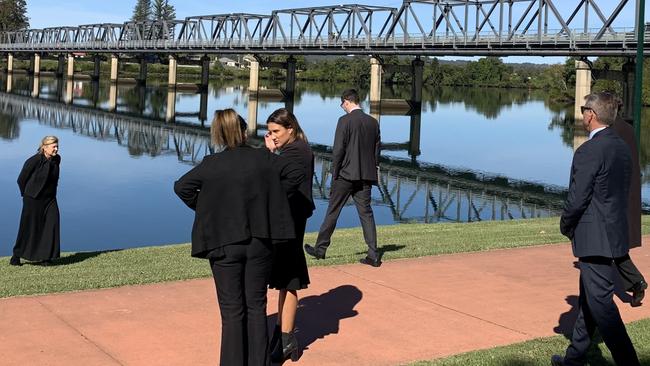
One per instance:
[(418, 27)]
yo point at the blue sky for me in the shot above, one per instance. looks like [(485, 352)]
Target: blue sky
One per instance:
[(47, 13)]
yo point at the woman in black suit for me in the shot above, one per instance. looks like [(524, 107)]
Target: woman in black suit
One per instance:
[(38, 235), (241, 212), (289, 273)]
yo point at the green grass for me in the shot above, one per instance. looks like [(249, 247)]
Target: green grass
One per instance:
[(538, 351), (92, 270)]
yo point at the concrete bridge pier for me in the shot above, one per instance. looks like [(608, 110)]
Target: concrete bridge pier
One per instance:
[(376, 70), (170, 113), (142, 76), (417, 79), (60, 65), (203, 107), (290, 86), (95, 88), (628, 79), (254, 78), (112, 97), (205, 73), (97, 60), (10, 63), (252, 114), (583, 86), (114, 68), (69, 85), (36, 64), (70, 71), (171, 80), (414, 136), (10, 82), (36, 86)]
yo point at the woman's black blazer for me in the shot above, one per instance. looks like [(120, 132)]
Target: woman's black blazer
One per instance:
[(238, 194), (35, 172)]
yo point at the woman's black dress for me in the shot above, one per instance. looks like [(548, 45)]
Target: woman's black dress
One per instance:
[(39, 232), (289, 264)]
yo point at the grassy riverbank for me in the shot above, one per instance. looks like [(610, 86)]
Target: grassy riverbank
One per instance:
[(91, 270), (537, 352)]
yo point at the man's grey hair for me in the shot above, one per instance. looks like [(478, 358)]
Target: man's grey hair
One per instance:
[(605, 105)]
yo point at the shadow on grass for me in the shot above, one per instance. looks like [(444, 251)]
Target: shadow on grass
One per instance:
[(385, 249), (79, 257), (319, 315)]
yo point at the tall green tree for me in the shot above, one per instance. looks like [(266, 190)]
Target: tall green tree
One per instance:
[(162, 10), (13, 15), (142, 11)]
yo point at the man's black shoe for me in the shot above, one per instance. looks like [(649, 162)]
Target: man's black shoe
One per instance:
[(557, 360), (638, 293), (371, 262), (15, 261), (313, 252)]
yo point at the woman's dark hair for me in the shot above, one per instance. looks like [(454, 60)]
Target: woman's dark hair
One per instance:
[(228, 128), (351, 95), (287, 120)]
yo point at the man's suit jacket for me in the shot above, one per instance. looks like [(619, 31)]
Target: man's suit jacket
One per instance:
[(238, 194), (356, 147), (626, 132), (595, 212)]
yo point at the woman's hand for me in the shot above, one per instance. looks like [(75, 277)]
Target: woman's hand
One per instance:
[(268, 141)]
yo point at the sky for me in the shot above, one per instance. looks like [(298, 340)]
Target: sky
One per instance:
[(48, 13)]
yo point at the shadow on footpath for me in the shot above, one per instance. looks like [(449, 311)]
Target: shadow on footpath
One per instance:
[(319, 315)]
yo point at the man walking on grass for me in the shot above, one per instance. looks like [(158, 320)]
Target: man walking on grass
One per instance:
[(595, 219), (355, 159)]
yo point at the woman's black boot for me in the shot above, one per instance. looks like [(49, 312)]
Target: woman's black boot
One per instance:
[(289, 349), (275, 343)]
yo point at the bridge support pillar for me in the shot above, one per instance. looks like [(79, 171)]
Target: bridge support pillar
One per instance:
[(417, 80), (252, 114), (629, 77), (205, 72), (69, 84), (10, 63), (36, 65), (170, 113), (142, 77), (36, 86), (10, 82), (171, 80), (60, 65), (583, 86), (114, 65), (203, 107), (375, 82), (112, 97), (70, 73), (254, 78), (290, 86), (97, 60)]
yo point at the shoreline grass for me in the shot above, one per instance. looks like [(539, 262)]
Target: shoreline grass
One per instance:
[(537, 352), (105, 269)]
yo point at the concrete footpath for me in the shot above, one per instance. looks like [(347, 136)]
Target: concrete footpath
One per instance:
[(407, 310)]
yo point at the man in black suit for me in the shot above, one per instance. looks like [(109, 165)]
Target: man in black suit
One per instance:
[(354, 172), (595, 219)]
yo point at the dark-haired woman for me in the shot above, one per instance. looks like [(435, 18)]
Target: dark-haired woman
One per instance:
[(241, 212), (289, 273), (38, 235)]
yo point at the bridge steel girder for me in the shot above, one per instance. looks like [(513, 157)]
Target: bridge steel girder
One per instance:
[(418, 27)]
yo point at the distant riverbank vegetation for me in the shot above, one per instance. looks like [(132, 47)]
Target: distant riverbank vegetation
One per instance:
[(558, 80)]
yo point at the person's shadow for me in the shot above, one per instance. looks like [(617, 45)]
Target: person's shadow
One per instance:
[(79, 257), (319, 315)]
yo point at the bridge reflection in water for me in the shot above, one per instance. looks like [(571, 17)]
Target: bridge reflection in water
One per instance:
[(412, 191)]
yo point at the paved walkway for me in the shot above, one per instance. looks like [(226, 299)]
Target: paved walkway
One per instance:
[(406, 310)]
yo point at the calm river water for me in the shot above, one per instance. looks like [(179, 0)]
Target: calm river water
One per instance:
[(471, 155)]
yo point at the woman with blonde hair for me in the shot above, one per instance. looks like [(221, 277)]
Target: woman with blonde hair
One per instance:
[(289, 273), (39, 232), (242, 211)]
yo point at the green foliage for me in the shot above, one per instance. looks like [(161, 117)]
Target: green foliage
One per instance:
[(162, 10), (142, 11), (13, 15)]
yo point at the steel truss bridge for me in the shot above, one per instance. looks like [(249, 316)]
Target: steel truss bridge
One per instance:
[(411, 193), (418, 27)]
